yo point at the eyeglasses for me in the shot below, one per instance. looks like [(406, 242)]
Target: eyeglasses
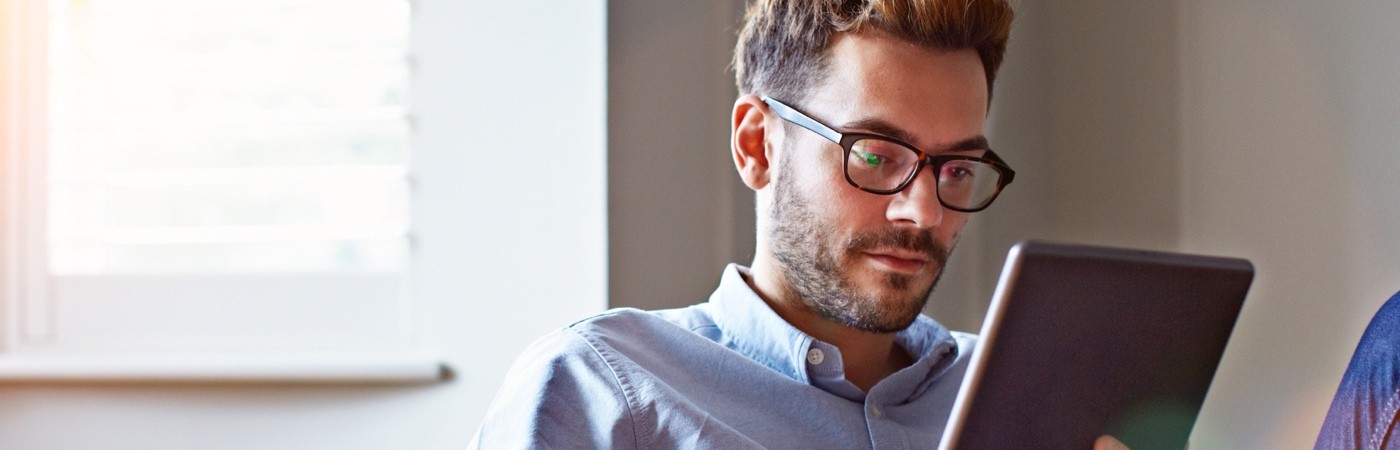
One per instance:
[(883, 165)]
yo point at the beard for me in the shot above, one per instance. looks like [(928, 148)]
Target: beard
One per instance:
[(816, 266)]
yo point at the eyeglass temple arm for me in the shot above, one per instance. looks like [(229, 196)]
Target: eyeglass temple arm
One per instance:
[(994, 157), (1007, 174), (802, 120)]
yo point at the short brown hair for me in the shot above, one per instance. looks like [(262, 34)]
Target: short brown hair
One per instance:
[(783, 47)]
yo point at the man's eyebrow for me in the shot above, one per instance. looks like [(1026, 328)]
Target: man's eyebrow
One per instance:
[(883, 128), (971, 144)]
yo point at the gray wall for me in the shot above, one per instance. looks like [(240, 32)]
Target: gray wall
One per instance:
[(677, 212), (1289, 157), (1085, 110)]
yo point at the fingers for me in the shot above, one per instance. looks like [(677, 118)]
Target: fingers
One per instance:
[(1108, 443)]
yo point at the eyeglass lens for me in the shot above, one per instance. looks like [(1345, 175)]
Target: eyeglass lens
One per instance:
[(885, 166)]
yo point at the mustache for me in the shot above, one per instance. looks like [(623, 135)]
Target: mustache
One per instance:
[(920, 241)]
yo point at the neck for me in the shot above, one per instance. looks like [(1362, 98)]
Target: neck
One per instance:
[(866, 357)]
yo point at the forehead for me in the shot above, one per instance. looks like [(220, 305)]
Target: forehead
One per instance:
[(935, 97)]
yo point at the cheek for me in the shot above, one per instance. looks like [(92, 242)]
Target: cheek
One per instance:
[(823, 165), (953, 225), (817, 175), (852, 209)]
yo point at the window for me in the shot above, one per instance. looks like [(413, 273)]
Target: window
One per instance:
[(211, 176)]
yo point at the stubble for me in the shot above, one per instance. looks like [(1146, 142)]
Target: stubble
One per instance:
[(816, 266)]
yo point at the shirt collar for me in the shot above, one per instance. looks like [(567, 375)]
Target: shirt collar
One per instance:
[(751, 327)]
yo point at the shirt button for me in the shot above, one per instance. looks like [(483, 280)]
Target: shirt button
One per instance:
[(875, 411), (815, 356)]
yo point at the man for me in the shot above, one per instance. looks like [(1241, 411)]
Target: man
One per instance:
[(860, 129)]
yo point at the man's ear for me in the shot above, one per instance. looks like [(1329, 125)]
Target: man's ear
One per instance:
[(748, 141)]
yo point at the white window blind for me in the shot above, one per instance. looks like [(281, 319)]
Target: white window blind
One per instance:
[(216, 175)]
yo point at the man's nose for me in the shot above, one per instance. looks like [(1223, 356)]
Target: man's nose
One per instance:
[(918, 203)]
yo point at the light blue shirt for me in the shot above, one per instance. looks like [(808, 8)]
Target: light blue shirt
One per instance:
[(727, 374)]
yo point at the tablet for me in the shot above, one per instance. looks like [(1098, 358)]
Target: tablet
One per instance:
[(1085, 341)]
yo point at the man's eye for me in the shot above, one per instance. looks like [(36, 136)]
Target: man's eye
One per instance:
[(955, 172), (871, 159)]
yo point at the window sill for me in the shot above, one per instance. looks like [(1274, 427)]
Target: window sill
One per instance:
[(352, 368)]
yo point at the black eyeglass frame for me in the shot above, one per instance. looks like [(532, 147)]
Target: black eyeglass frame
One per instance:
[(848, 139)]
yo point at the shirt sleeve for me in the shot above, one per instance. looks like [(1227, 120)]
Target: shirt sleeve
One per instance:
[(559, 394)]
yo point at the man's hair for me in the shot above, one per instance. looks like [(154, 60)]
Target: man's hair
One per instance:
[(784, 46)]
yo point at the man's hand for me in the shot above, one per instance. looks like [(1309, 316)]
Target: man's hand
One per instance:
[(1107, 442)]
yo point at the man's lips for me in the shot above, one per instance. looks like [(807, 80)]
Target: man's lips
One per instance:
[(900, 260)]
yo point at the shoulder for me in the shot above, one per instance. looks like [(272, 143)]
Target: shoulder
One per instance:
[(1381, 341), (633, 320), (597, 339), (597, 345), (577, 386), (588, 348), (562, 392), (625, 328)]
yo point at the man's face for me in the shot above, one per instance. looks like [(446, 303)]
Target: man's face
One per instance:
[(859, 259)]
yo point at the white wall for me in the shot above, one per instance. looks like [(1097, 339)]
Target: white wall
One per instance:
[(500, 261)]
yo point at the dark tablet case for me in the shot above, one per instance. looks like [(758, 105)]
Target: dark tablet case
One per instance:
[(1092, 341)]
